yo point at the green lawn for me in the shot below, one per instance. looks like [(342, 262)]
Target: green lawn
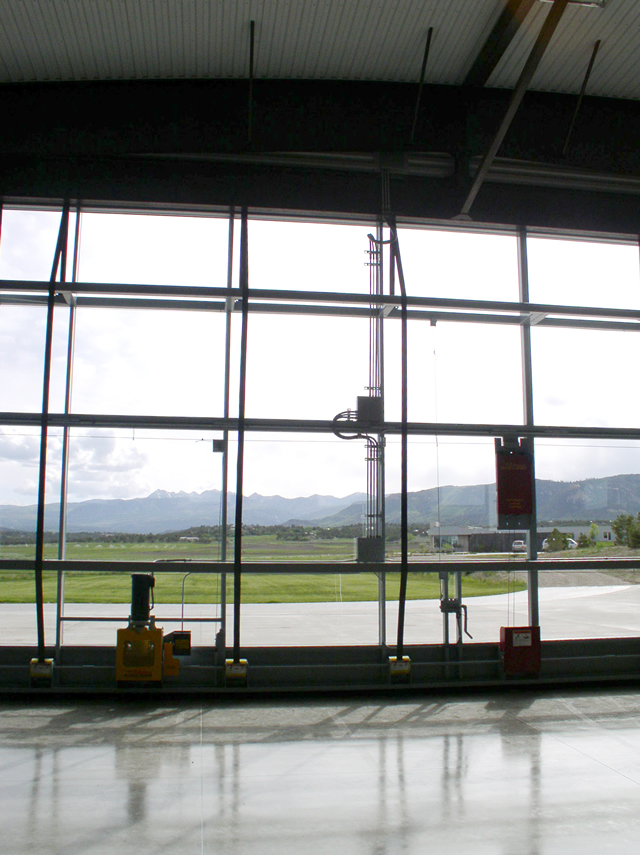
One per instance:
[(257, 548), (109, 587)]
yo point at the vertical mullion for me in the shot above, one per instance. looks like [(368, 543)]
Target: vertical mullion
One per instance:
[(225, 434), (381, 462), (237, 564), (64, 469), (527, 379), (59, 264), (404, 534)]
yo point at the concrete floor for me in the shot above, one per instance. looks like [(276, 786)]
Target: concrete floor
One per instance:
[(552, 773), (565, 612)]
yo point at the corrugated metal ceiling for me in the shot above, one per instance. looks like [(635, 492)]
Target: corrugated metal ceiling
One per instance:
[(48, 40), (616, 72)]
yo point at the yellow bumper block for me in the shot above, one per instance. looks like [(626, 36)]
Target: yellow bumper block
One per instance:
[(399, 669), (236, 673), (41, 673)]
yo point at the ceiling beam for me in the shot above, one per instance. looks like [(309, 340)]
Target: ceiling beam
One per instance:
[(533, 61), (498, 41)]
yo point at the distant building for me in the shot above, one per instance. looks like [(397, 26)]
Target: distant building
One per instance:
[(478, 539)]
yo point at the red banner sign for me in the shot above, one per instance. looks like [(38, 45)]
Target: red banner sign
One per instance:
[(514, 482)]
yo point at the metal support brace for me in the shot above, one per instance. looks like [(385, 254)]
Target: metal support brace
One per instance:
[(421, 84), (537, 52), (250, 105), (583, 88)]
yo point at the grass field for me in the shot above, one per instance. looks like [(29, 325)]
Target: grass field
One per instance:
[(18, 587), (258, 548), (109, 587)]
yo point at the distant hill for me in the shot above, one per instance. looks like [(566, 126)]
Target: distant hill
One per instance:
[(592, 499), (163, 511)]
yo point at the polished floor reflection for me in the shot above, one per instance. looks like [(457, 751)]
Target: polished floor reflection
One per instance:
[(509, 773)]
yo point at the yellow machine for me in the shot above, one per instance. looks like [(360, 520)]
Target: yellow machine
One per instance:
[(143, 654), (139, 654)]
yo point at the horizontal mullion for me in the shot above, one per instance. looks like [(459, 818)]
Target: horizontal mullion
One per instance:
[(325, 568), (326, 426), (433, 317), (261, 294), (91, 302)]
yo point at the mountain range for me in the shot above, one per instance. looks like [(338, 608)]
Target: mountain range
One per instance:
[(592, 499)]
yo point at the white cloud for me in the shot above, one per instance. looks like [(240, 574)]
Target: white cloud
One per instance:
[(23, 449)]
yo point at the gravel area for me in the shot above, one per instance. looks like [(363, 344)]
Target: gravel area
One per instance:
[(560, 579)]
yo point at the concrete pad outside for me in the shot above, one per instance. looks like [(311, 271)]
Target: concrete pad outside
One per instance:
[(567, 612)]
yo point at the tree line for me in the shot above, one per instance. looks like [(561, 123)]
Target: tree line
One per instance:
[(627, 530), (204, 534)]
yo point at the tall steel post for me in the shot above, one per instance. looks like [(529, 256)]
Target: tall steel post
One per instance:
[(59, 264), (237, 561), (225, 434), (376, 387), (64, 468), (404, 446), (527, 381)]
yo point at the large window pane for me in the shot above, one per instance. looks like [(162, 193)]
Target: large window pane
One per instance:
[(308, 256), (465, 373), (459, 264), (28, 244), (145, 362), (154, 249), (582, 273), (582, 377), (303, 367), (22, 340)]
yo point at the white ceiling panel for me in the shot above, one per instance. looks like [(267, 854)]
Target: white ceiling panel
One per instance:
[(370, 40)]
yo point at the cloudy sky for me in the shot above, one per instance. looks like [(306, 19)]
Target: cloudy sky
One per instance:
[(170, 363)]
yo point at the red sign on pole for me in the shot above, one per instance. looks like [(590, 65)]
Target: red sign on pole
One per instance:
[(514, 483)]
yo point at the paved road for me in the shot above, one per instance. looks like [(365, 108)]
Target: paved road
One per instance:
[(565, 612)]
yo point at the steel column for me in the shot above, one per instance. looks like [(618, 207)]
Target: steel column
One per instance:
[(59, 264), (527, 380), (237, 563), (225, 434), (64, 468), (404, 516)]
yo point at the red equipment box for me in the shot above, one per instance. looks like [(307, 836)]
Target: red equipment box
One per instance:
[(520, 648)]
